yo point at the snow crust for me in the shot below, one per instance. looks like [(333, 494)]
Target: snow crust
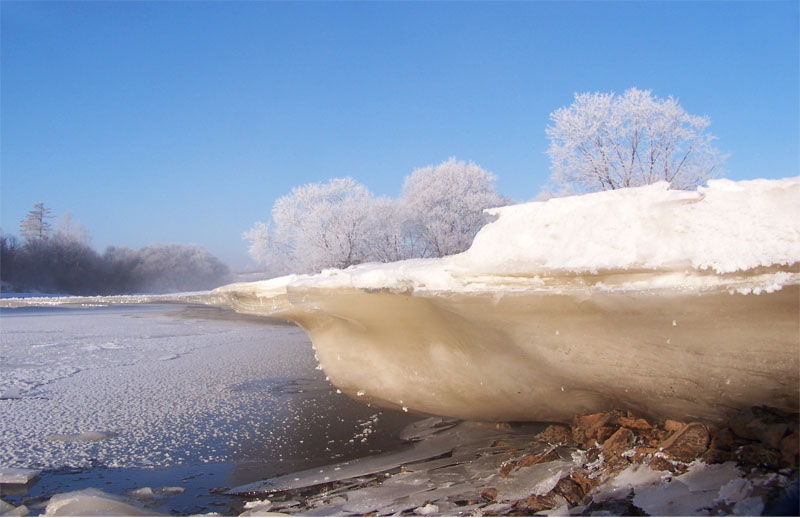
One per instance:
[(677, 239)]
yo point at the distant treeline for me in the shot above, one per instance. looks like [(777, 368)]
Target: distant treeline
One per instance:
[(63, 262)]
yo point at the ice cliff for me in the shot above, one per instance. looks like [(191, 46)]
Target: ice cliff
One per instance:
[(676, 303)]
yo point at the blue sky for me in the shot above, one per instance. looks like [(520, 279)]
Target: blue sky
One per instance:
[(184, 121)]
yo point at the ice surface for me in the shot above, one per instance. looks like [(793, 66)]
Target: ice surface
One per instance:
[(352, 469), (96, 370), (17, 475)]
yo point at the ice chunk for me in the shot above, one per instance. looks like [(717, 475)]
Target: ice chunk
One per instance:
[(83, 436), (701, 476), (145, 493), (18, 511), (369, 499), (427, 510), (11, 393), (170, 490), (5, 507), (17, 475), (533, 480), (356, 468), (324, 510), (262, 512), (635, 475), (495, 509), (673, 499), (736, 490), (253, 504), (92, 502), (750, 507), (561, 507), (426, 427)]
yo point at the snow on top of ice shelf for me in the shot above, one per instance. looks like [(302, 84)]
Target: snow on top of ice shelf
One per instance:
[(725, 227)]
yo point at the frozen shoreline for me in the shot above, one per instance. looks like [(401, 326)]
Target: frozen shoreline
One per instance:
[(319, 427)]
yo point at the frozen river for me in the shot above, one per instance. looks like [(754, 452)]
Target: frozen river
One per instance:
[(131, 393)]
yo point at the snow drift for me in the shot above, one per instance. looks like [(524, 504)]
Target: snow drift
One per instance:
[(671, 303)]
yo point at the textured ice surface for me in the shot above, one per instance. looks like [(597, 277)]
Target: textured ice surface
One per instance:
[(237, 391)]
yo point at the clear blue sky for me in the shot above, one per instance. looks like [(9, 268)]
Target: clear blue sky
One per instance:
[(184, 121)]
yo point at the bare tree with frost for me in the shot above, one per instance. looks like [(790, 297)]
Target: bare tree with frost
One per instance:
[(447, 203), (35, 226), (604, 141)]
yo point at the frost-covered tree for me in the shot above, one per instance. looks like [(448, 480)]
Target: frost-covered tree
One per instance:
[(447, 203), (316, 226), (390, 235), (35, 226), (338, 224), (70, 231), (605, 141)]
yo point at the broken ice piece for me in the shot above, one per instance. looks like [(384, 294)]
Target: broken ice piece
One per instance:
[(11, 393), (254, 504), (170, 490), (533, 480), (92, 502), (17, 475), (18, 511), (144, 493), (84, 436), (427, 510)]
